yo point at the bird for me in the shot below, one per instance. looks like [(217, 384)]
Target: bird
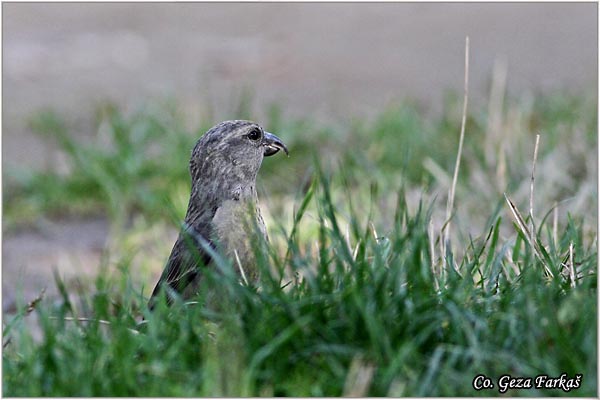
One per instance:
[(223, 212)]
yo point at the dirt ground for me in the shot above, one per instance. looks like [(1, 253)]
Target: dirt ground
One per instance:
[(326, 60)]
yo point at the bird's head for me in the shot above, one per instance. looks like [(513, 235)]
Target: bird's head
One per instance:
[(233, 150)]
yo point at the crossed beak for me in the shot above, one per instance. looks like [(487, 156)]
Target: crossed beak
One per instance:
[(273, 144)]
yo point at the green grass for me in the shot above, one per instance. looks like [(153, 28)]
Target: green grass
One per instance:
[(355, 297)]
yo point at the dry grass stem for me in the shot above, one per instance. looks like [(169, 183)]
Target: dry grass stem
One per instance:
[(571, 265), (87, 319), (373, 231), (239, 264), (431, 238), (30, 307), (355, 251), (529, 235), (33, 303), (535, 153), (83, 319), (434, 270), (442, 270), (555, 224), (450, 204), (347, 237)]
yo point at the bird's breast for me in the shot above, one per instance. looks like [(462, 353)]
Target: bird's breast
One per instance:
[(235, 225)]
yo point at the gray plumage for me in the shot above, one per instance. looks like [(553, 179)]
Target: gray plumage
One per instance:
[(223, 208)]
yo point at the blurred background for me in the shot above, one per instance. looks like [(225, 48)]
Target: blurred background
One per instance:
[(332, 63)]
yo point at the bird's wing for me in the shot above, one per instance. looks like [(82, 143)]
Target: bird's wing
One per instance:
[(189, 253)]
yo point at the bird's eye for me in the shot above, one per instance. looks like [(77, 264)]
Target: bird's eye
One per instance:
[(255, 134)]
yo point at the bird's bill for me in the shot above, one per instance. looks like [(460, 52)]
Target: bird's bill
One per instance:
[(273, 144)]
